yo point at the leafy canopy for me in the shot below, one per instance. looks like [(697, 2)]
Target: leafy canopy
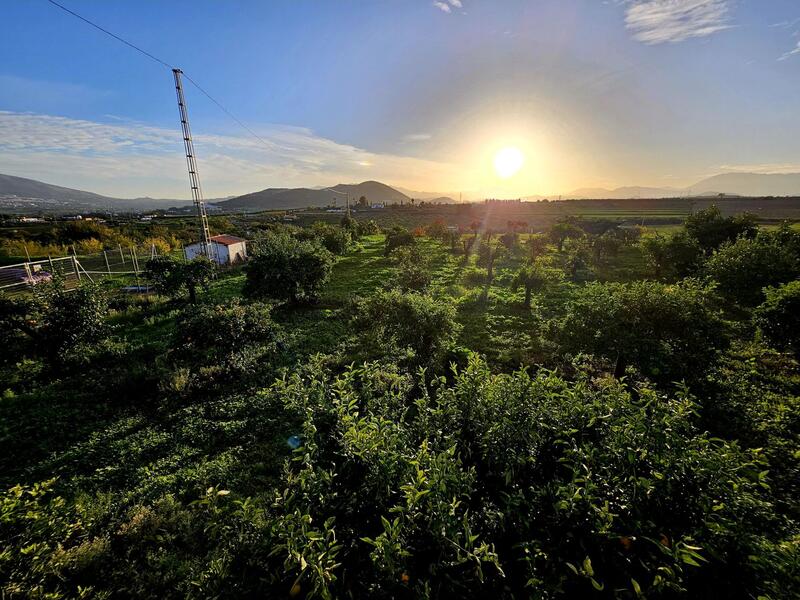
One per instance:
[(282, 267)]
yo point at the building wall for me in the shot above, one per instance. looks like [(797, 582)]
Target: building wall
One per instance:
[(223, 255), (218, 251)]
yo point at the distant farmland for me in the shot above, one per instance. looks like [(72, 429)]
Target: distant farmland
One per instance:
[(651, 212)]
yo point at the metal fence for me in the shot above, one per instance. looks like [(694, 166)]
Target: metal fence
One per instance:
[(122, 264)]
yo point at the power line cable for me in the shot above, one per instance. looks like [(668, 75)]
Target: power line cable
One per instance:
[(113, 35), (166, 64)]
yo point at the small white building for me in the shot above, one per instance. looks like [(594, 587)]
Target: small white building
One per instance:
[(225, 249)]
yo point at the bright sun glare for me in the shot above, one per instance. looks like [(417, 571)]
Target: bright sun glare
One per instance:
[(508, 161)]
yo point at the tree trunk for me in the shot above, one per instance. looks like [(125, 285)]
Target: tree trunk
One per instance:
[(619, 368), (527, 296), (192, 294)]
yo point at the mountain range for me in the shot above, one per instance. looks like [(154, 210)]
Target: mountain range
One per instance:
[(729, 184), (22, 196)]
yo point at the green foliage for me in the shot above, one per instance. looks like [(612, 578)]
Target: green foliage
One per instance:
[(711, 229), (367, 228), (490, 484), (510, 239), (396, 237), (437, 231), (537, 245), (671, 257), (488, 254), (284, 268), (231, 339), (605, 247), (59, 324), (205, 452), (562, 231), (335, 240), (669, 332), (779, 316), (577, 254), (174, 278), (536, 276), (413, 268), (418, 327), (744, 267)]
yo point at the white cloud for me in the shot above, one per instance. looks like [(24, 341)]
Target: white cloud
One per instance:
[(448, 5), (786, 24), (791, 52), (763, 168), (660, 21), (131, 159), (417, 137)]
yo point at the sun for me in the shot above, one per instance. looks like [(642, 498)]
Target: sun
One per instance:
[(508, 161)]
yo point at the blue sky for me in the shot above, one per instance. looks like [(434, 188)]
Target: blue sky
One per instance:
[(411, 92)]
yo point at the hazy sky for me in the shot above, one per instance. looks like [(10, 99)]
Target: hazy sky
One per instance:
[(411, 92)]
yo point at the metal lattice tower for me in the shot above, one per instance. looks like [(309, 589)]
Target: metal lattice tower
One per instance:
[(191, 163)]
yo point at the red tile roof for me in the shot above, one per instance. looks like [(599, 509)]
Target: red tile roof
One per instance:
[(227, 240)]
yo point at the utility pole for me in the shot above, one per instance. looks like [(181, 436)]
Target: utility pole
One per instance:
[(191, 163)]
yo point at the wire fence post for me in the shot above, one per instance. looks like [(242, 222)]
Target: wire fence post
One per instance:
[(108, 266), (27, 254), (50, 260), (75, 266), (121, 253)]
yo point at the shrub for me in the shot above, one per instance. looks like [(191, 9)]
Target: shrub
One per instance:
[(334, 239), (672, 257), (413, 268), (536, 276), (174, 278), (231, 339), (284, 268), (437, 231), (744, 267), (394, 322), (398, 236), (60, 324), (711, 229), (779, 316), (562, 231), (669, 332)]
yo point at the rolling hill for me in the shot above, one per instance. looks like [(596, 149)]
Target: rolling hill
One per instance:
[(22, 195), (281, 198)]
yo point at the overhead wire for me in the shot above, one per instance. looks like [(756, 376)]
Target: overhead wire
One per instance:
[(169, 66)]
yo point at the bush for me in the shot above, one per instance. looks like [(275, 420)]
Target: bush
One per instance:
[(744, 267), (174, 278), (536, 276), (672, 257), (230, 340), (334, 239), (284, 268), (394, 323), (413, 268), (779, 316), (60, 324), (711, 229), (398, 236), (669, 332)]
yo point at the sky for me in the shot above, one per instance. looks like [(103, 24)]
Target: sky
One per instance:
[(413, 93)]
